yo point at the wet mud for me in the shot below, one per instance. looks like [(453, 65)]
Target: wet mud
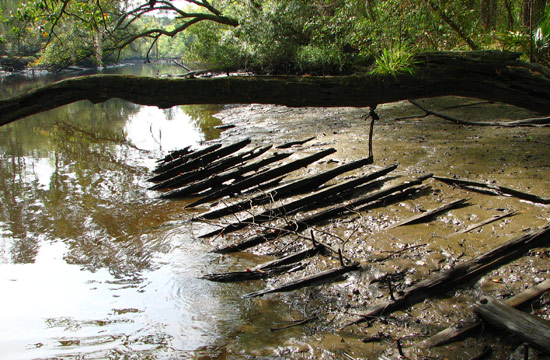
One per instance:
[(511, 157)]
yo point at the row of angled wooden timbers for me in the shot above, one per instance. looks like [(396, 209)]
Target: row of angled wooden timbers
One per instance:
[(216, 172)]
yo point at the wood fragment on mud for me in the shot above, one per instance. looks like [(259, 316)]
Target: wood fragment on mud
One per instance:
[(430, 213), (295, 323), (472, 185), (293, 143), (485, 222), (311, 280), (452, 332), (529, 327), (461, 273)]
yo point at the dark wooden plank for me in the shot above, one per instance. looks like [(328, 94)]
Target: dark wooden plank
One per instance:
[(260, 178), (294, 188)]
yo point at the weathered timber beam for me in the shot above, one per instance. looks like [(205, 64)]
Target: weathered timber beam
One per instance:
[(311, 280), (489, 75), (461, 273), (294, 188), (470, 323), (528, 327)]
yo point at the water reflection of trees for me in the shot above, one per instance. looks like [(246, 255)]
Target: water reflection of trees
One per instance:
[(91, 202), (202, 116)]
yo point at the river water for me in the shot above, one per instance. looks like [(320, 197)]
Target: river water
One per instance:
[(94, 266)]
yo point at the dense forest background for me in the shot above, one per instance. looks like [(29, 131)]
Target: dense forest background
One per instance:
[(267, 36)]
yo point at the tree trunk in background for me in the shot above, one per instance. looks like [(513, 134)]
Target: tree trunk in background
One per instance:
[(510, 15), (538, 9), (488, 13)]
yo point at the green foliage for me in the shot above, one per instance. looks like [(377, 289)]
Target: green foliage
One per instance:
[(393, 62), (272, 36)]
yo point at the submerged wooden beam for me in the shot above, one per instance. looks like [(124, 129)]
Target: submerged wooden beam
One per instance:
[(428, 214), (218, 179), (488, 75), (167, 171), (213, 168)]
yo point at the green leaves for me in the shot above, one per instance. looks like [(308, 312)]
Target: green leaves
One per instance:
[(393, 62)]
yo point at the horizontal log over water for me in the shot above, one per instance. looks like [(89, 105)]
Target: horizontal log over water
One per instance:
[(488, 75)]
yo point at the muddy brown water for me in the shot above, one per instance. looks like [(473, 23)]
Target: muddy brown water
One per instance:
[(95, 266)]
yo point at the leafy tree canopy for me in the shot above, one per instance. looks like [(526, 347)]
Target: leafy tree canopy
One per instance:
[(276, 36)]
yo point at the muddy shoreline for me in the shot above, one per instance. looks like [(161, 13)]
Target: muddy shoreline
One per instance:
[(511, 157)]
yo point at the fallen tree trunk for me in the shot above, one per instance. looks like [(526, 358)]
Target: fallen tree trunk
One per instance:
[(529, 327), (488, 75)]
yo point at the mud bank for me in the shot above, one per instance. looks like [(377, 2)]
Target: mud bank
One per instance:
[(511, 157)]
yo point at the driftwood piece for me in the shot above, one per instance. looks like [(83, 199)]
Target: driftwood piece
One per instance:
[(218, 179), (312, 280), (185, 158), (485, 222), (294, 188), (318, 199), (199, 162), (494, 187), (260, 178), (215, 167), (292, 143), (529, 327), (324, 215), (428, 214), (447, 335), (461, 273), (252, 274)]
